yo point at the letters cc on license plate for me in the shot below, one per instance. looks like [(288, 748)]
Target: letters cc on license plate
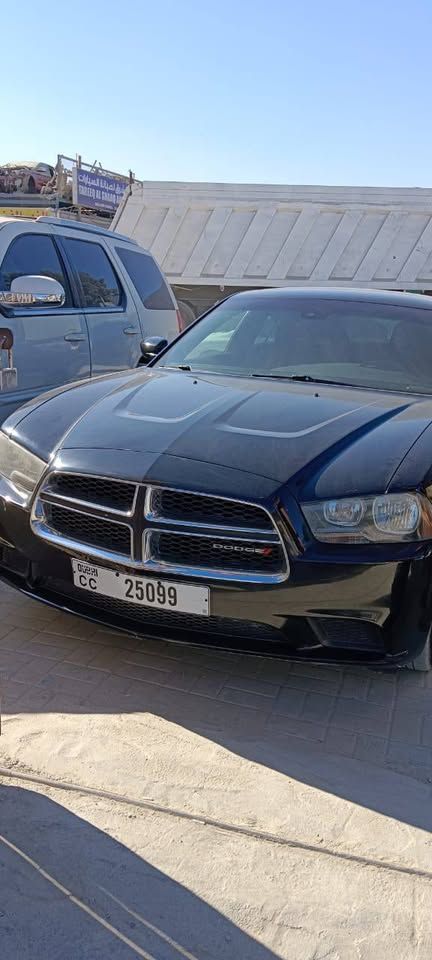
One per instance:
[(143, 591)]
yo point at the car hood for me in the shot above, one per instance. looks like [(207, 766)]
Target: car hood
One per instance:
[(318, 439)]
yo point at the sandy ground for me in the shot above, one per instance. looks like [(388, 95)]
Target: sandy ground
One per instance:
[(197, 827)]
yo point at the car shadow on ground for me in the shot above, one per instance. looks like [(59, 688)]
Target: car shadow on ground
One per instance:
[(70, 890), (362, 736)]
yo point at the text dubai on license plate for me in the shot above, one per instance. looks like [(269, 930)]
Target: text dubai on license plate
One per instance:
[(144, 591)]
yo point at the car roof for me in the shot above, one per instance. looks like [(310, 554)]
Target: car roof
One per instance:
[(24, 220), (82, 226), (77, 225), (19, 163), (358, 294)]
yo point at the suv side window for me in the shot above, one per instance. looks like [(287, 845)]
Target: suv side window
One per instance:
[(146, 278), (99, 284), (33, 254)]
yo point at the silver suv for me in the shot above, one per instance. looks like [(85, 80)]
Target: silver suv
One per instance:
[(75, 301)]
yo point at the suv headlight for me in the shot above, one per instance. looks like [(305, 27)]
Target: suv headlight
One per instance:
[(20, 467), (388, 518)]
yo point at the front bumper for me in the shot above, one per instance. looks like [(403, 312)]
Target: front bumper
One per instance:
[(330, 612)]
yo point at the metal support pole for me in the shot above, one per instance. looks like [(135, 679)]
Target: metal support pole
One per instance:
[(78, 164), (59, 168)]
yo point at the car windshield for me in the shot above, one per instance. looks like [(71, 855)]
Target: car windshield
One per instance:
[(360, 343)]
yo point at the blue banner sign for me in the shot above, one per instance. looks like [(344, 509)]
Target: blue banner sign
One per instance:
[(97, 190)]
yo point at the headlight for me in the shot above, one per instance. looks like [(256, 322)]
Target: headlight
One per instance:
[(388, 518), (22, 468)]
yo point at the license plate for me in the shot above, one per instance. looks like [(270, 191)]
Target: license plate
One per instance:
[(143, 591)]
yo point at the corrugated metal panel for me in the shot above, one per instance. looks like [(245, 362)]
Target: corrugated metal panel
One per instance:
[(239, 235), (185, 240), (358, 245), (270, 243), (323, 228), (227, 243)]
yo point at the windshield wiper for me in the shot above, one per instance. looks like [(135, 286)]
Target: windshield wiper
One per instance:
[(178, 366), (301, 378)]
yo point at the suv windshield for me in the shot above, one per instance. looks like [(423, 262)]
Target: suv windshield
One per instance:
[(359, 343)]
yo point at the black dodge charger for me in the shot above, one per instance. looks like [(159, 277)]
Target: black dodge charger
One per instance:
[(264, 483)]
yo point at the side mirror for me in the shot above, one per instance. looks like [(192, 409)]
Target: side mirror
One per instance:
[(151, 346), (33, 291)]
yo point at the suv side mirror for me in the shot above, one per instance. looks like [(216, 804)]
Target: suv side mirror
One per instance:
[(33, 291), (151, 347)]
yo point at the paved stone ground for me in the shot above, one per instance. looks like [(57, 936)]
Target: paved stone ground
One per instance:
[(185, 762), (53, 662)]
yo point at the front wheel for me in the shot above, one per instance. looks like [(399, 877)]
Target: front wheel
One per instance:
[(187, 313), (423, 662)]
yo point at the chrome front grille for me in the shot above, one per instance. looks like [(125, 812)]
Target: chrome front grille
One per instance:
[(160, 529), (216, 553), (87, 515), (116, 496), (193, 508), (89, 530)]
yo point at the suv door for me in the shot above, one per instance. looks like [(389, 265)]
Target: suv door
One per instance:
[(51, 344), (110, 311)]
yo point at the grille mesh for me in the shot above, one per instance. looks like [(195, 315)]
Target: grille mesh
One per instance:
[(89, 530), (175, 505), (95, 490), (217, 554)]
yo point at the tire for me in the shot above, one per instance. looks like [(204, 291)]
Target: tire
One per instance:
[(423, 663), (188, 315)]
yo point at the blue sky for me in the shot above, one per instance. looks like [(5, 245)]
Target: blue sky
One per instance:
[(282, 91)]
